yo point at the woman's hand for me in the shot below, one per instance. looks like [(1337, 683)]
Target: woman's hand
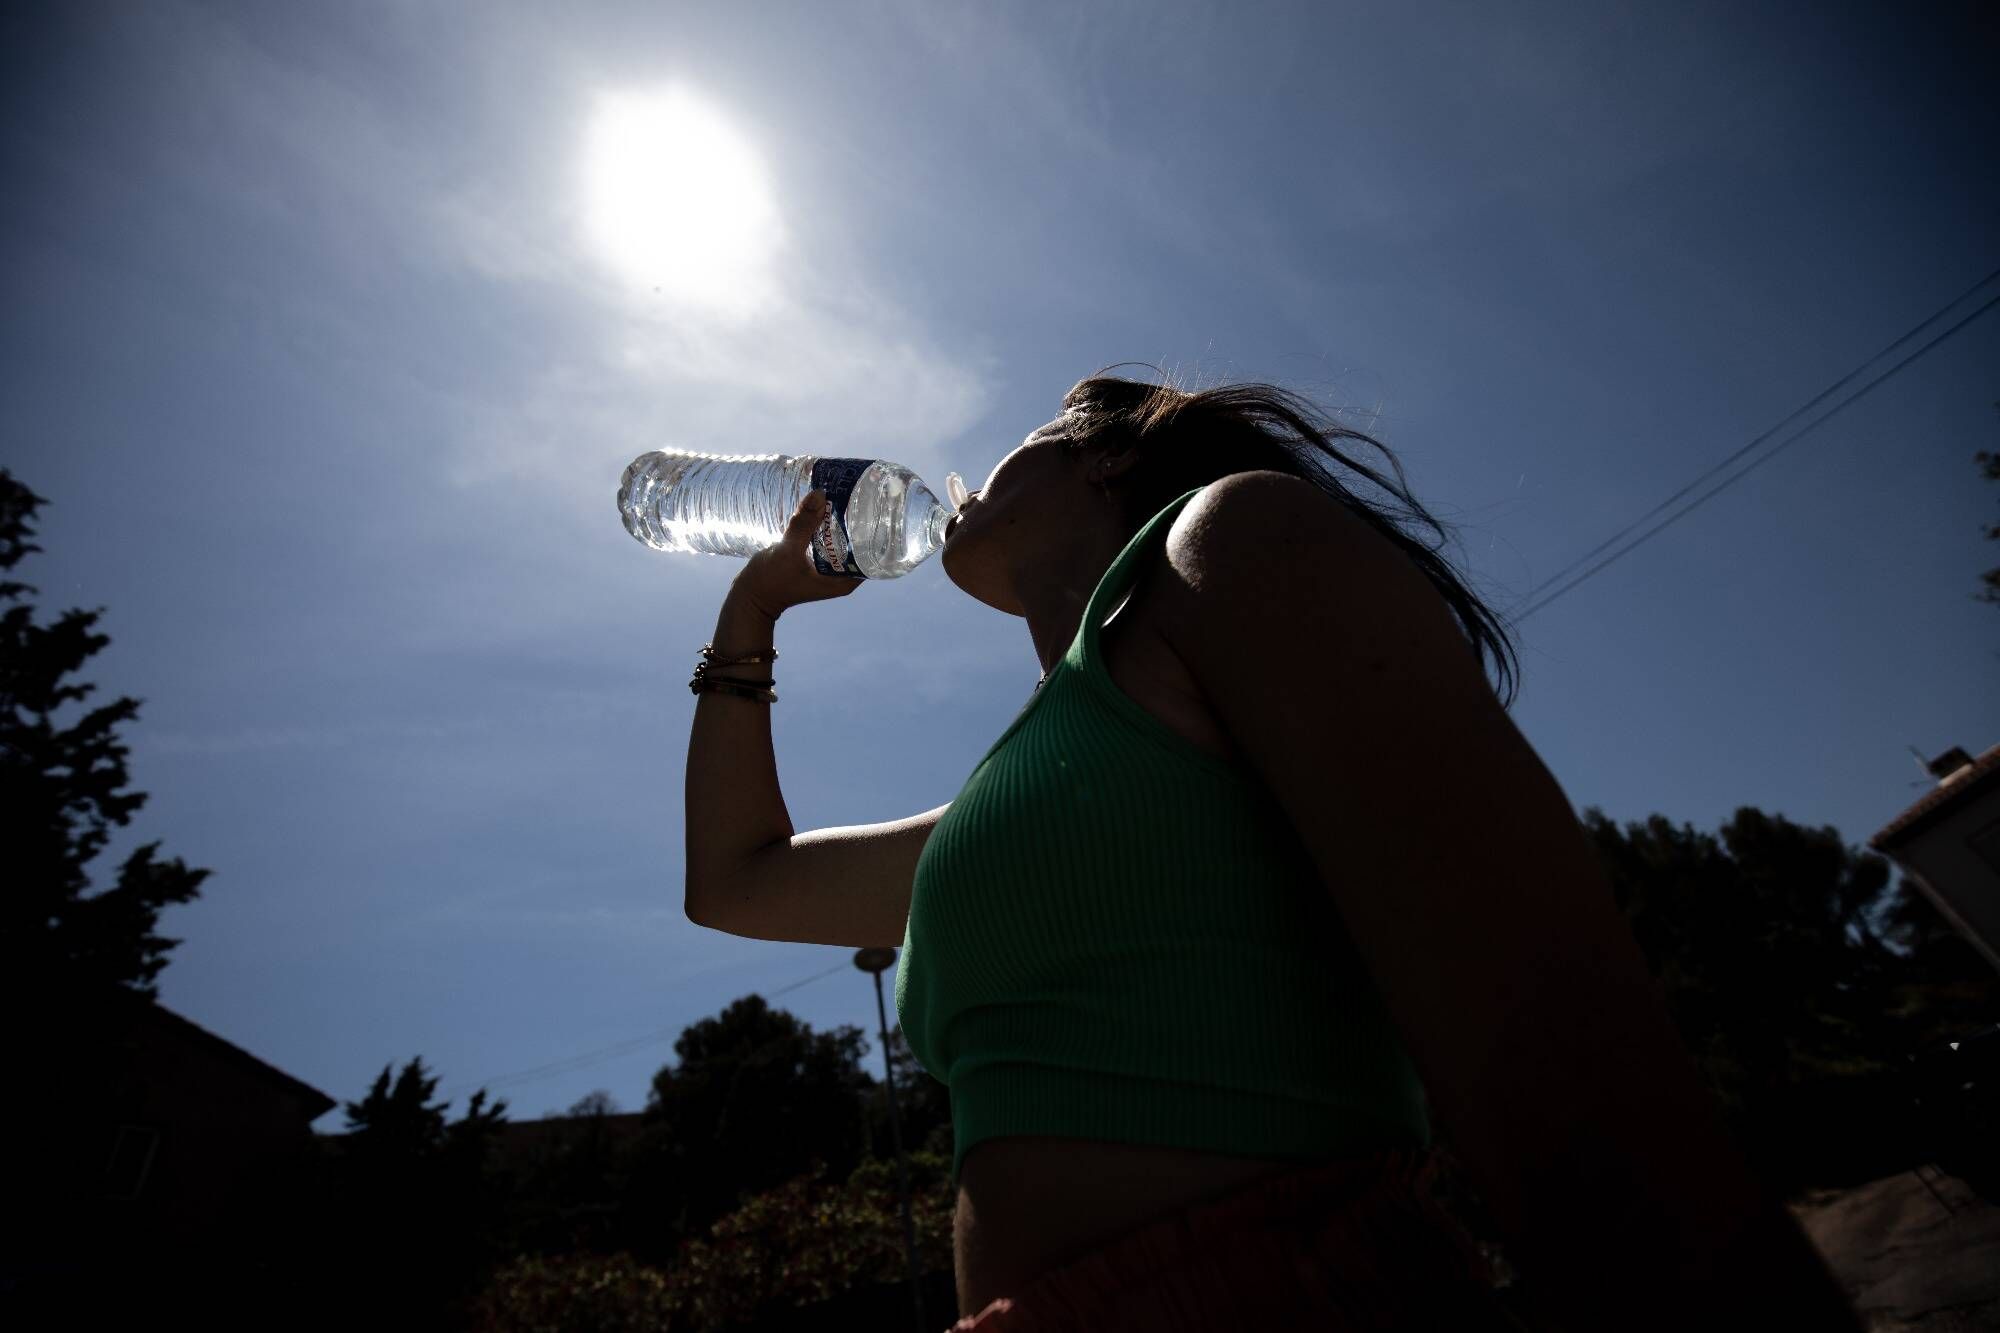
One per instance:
[(782, 576)]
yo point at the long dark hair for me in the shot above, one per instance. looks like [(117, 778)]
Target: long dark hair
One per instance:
[(1191, 438)]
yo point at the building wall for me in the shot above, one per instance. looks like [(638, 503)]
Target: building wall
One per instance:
[(1957, 864), (189, 1134)]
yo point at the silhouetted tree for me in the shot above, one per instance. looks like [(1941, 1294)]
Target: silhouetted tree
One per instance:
[(74, 966), (1768, 948), (922, 1102), (61, 788), (757, 1095), (566, 1191), (397, 1124), (413, 1202)]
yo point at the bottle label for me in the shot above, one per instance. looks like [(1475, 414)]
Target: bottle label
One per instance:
[(832, 552)]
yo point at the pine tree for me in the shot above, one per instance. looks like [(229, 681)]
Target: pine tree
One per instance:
[(76, 968), (61, 788), (415, 1205)]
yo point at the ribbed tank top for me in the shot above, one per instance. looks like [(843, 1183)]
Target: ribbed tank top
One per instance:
[(1116, 935)]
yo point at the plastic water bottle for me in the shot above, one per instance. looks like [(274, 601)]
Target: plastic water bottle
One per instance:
[(881, 520)]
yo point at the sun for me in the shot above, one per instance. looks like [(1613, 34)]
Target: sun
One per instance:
[(676, 200)]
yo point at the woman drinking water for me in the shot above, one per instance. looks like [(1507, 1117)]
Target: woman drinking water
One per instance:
[(1261, 879)]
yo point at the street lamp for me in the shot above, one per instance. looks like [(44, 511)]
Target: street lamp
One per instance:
[(876, 961)]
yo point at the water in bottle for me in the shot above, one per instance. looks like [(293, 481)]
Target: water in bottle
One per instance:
[(881, 520)]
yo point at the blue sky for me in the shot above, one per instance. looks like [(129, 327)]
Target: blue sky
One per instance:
[(310, 348)]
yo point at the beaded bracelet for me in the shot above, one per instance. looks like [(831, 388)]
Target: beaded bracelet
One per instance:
[(746, 689), (762, 655)]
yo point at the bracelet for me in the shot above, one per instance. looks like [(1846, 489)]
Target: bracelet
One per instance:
[(709, 657), (758, 690), (701, 674), (741, 689)]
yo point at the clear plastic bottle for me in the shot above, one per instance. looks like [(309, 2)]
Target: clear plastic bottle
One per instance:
[(881, 520)]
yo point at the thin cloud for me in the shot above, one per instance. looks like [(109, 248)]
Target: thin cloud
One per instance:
[(831, 366), (241, 740)]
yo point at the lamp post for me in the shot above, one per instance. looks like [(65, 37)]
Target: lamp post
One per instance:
[(876, 961)]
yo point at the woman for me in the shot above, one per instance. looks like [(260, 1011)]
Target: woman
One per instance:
[(1260, 874)]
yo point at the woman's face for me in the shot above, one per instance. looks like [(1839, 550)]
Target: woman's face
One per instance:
[(1035, 505)]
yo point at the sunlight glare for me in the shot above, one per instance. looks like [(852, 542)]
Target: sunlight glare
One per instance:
[(676, 200)]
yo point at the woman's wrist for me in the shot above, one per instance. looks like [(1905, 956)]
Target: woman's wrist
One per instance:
[(742, 626)]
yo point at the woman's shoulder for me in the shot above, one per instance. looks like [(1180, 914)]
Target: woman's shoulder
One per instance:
[(1249, 520)]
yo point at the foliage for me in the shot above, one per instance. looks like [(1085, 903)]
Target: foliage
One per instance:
[(410, 1199), (75, 967), (571, 1191), (579, 1293), (757, 1096), (61, 789), (598, 1102), (1799, 982), (923, 1105), (804, 1243), (396, 1125)]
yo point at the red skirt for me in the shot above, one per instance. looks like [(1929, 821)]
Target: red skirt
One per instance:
[(1360, 1243)]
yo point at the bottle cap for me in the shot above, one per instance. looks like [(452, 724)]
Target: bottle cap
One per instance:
[(954, 487)]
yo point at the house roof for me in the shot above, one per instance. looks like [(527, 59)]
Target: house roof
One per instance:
[(1958, 787), (515, 1140), (519, 1137), (317, 1103)]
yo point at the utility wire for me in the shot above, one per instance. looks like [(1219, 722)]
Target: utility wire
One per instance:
[(1829, 390), (589, 1058)]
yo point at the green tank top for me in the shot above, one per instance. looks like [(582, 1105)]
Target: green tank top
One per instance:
[(1116, 935)]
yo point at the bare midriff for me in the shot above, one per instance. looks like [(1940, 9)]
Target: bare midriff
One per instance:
[(1029, 1204)]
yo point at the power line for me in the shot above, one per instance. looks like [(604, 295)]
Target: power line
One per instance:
[(1838, 408), (571, 1064)]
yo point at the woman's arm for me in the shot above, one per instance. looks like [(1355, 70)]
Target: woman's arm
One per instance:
[(1620, 1195), (1476, 899)]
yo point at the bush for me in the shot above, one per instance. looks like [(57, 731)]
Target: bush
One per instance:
[(805, 1243), (809, 1241), (574, 1294)]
